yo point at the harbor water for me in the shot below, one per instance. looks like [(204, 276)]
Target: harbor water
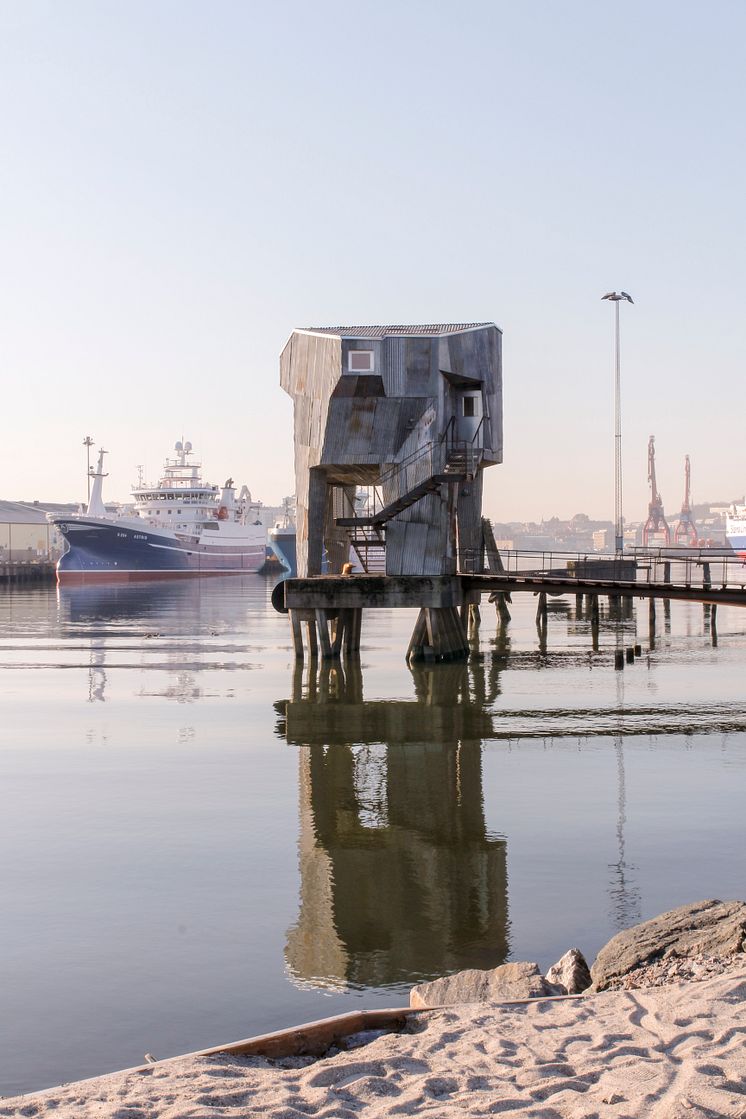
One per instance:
[(201, 840)]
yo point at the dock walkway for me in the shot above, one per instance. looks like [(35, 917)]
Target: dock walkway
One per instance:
[(446, 601)]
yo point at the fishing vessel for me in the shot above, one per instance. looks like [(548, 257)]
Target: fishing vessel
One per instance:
[(181, 526), (735, 528)]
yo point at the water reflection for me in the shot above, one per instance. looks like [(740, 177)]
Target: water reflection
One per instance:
[(167, 602), (97, 672), (399, 876), (166, 625), (626, 906)]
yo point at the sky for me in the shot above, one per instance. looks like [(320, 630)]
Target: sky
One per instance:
[(183, 183)]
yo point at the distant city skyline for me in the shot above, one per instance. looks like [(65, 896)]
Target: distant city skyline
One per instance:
[(184, 184)]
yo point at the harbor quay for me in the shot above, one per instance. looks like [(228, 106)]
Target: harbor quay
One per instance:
[(31, 571)]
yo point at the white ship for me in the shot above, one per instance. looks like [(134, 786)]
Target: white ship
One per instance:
[(735, 529), (182, 526)]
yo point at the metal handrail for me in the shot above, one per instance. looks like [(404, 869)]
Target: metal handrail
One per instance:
[(700, 566)]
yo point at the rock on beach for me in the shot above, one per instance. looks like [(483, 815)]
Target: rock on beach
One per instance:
[(498, 984), (703, 930)]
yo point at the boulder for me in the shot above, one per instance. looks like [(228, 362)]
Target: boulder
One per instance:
[(499, 984), (571, 972), (703, 928)]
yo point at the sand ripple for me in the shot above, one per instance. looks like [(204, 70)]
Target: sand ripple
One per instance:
[(673, 1052)]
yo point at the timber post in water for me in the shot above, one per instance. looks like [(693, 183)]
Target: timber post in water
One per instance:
[(394, 426)]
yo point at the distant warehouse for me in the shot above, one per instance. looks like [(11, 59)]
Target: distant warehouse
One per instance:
[(25, 533)]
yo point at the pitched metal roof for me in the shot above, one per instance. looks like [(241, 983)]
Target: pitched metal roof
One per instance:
[(14, 512), (385, 331)]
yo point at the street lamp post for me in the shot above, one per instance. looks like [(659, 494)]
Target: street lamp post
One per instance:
[(616, 298), (88, 443)]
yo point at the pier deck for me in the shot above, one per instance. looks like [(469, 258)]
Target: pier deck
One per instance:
[(355, 592)]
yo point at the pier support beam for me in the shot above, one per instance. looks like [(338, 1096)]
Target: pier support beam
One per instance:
[(501, 607), (651, 622), (331, 631)]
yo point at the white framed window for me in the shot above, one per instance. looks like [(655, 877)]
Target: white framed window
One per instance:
[(360, 361)]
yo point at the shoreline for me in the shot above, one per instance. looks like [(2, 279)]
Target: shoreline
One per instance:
[(654, 1051)]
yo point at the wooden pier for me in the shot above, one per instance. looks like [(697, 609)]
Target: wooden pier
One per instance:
[(332, 605)]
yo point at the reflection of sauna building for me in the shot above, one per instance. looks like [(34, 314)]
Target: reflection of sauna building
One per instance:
[(398, 876)]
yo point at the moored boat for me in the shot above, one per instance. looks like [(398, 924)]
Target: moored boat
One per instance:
[(735, 528), (282, 538), (182, 526)]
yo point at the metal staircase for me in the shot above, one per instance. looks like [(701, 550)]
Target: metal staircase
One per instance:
[(443, 462), (369, 544)]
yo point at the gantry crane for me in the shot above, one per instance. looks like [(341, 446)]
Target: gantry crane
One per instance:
[(656, 521), (686, 530)]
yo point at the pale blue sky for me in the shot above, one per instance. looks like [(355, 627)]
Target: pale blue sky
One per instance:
[(182, 183)]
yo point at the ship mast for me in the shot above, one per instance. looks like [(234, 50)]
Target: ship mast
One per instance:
[(96, 507)]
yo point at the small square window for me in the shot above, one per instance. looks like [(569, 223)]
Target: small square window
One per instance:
[(360, 361), (470, 406)]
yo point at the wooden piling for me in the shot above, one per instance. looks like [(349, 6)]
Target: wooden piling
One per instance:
[(295, 625), (418, 639), (322, 627), (352, 631), (439, 634)]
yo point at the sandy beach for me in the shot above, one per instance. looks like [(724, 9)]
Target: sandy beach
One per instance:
[(672, 1051)]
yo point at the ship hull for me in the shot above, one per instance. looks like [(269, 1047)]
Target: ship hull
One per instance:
[(735, 529), (282, 543), (101, 551), (738, 544)]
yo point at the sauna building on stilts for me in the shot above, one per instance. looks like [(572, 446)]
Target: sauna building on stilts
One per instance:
[(394, 427)]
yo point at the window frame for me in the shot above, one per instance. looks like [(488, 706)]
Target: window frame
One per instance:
[(354, 353)]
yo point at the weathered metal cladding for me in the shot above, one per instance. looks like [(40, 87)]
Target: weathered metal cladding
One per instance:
[(418, 539), (394, 367)]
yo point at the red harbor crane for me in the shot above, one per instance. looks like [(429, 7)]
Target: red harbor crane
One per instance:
[(656, 522), (686, 530)]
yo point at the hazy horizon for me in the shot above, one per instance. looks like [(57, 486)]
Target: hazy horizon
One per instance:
[(184, 184)]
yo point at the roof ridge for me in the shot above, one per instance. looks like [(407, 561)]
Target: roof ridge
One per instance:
[(381, 330)]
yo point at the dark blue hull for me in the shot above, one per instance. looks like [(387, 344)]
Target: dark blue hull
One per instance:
[(106, 551)]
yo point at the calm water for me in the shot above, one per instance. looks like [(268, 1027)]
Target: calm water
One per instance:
[(200, 842)]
